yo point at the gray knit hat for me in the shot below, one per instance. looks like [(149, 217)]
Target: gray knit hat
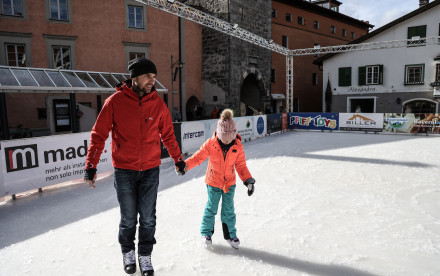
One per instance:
[(140, 66)]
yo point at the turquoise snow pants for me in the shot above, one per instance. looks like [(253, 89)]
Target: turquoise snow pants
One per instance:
[(227, 212)]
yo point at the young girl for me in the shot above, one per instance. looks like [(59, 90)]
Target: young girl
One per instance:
[(226, 155)]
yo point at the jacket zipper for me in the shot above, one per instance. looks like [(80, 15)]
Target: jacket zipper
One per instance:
[(140, 134)]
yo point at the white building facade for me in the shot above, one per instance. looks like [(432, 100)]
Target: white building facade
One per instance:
[(390, 80)]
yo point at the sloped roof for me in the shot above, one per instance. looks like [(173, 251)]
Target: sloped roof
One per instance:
[(416, 12), (310, 6)]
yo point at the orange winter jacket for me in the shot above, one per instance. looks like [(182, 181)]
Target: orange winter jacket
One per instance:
[(137, 125), (221, 171)]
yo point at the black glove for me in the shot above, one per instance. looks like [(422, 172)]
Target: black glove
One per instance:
[(249, 183), (180, 167), (90, 174)]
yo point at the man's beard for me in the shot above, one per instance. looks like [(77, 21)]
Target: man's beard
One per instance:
[(140, 91)]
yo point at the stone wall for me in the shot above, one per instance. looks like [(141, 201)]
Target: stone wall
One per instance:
[(228, 60)]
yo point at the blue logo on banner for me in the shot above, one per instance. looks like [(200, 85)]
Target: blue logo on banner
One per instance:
[(260, 125)]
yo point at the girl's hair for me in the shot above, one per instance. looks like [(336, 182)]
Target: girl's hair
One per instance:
[(226, 114)]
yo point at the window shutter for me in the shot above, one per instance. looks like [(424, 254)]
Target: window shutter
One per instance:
[(341, 77), (362, 75), (348, 76), (381, 74)]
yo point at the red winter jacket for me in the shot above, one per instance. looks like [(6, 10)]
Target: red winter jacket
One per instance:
[(137, 126), (221, 172)]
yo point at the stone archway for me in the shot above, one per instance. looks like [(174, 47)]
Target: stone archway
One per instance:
[(420, 105), (190, 106), (251, 93)]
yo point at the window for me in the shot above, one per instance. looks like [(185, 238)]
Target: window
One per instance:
[(344, 32), (274, 13), (15, 49), (316, 24), (285, 41), (272, 75), (41, 113), (16, 55), (353, 35), (344, 76), (253, 60), (301, 20), (315, 79), (135, 50), (414, 74), (135, 17), (12, 8), (437, 72), (61, 57), (371, 75), (134, 55), (58, 10), (60, 51), (415, 34), (288, 17), (333, 29)]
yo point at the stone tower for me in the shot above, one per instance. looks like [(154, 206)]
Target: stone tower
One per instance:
[(233, 70)]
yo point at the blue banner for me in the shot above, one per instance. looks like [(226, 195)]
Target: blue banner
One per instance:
[(314, 121)]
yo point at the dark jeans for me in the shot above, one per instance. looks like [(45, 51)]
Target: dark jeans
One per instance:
[(137, 194)]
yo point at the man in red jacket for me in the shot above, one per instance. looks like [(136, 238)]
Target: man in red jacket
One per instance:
[(137, 119)]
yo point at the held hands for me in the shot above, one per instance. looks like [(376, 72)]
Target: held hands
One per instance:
[(249, 183), (90, 177), (181, 167)]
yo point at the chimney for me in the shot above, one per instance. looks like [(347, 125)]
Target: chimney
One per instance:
[(423, 2)]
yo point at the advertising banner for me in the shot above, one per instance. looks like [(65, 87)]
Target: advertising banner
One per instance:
[(285, 125), (245, 127), (260, 126), (314, 121), (412, 123), (34, 163), (361, 122), (274, 123), (193, 135)]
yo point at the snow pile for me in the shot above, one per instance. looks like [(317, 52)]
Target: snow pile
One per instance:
[(333, 204)]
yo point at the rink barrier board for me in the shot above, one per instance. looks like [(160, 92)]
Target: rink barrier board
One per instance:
[(35, 163)]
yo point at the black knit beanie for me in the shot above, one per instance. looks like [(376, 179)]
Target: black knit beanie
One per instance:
[(140, 66)]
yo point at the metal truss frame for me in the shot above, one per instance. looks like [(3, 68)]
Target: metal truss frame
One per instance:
[(181, 10)]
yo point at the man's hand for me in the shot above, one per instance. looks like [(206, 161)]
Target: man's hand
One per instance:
[(90, 177), (181, 167)]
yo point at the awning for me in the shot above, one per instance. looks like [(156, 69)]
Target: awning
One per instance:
[(43, 80), (278, 96)]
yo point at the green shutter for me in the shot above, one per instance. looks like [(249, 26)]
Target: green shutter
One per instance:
[(362, 75), (344, 77), (381, 74), (341, 80), (348, 76)]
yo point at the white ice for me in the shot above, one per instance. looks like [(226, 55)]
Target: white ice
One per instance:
[(331, 204)]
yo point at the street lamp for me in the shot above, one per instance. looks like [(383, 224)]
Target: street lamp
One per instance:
[(178, 64)]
